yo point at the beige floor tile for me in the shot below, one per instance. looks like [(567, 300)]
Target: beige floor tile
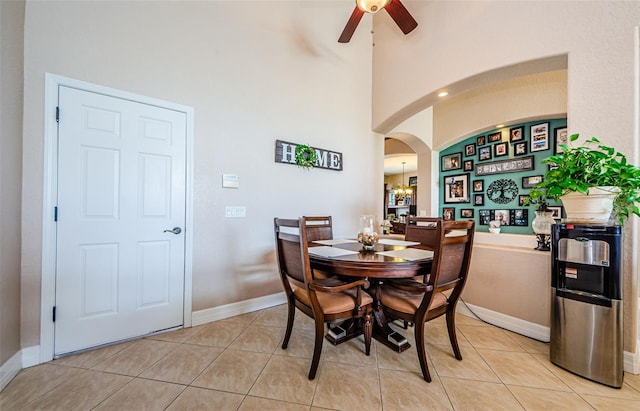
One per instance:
[(274, 317), (400, 361), (529, 344), (348, 387), (583, 385), (193, 398), (608, 404), (247, 318), (633, 380), (521, 369), (490, 338), (184, 364), (472, 366), (218, 334), (540, 399), (300, 344), (462, 319), (136, 358), (349, 352), (285, 379), (470, 395), (259, 339), (82, 392), (90, 358), (233, 371), (409, 391), (141, 394), (264, 404), (180, 336), (33, 382), (436, 333)]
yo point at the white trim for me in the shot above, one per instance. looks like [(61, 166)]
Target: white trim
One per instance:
[(241, 307), (10, 369), (632, 361), (30, 356), (52, 84), (517, 325)]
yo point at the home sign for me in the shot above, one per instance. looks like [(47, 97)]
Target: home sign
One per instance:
[(286, 153)]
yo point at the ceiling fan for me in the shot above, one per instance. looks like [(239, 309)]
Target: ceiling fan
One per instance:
[(396, 10)]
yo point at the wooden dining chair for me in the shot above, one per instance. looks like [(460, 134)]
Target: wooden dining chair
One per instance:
[(324, 300), (319, 228), (422, 230), (419, 303)]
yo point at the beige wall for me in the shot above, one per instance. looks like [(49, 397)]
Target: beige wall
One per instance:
[(254, 72), (461, 54), (11, 42)]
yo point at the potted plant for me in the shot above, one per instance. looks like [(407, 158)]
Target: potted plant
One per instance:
[(590, 171)]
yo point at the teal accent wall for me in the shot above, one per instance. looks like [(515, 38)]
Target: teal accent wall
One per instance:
[(500, 192)]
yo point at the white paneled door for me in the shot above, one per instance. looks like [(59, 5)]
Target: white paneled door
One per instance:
[(120, 219)]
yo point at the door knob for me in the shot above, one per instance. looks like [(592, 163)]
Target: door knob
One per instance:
[(175, 230)]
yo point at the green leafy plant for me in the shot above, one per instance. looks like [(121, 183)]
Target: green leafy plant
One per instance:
[(306, 156), (577, 168)]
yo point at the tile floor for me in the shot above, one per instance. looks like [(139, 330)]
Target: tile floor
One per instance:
[(237, 364)]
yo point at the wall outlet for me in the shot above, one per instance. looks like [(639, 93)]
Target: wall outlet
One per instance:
[(235, 211)]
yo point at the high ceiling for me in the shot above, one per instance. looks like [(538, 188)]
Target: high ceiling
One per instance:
[(393, 164)]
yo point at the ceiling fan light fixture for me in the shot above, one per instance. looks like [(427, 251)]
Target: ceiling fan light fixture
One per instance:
[(372, 6)]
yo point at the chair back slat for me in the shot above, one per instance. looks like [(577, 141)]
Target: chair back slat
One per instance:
[(318, 228), (452, 255), (292, 251), (423, 230)]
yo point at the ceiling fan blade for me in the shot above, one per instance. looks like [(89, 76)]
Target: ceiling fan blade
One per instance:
[(401, 16), (355, 18)]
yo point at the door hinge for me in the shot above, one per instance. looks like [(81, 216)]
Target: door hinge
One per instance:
[(55, 213), (54, 313), (57, 114)]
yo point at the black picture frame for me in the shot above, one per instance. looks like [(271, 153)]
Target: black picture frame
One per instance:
[(516, 134), (503, 215), (470, 150), (481, 140), (466, 213), (520, 149), (530, 181), (494, 137), (557, 211), (501, 150), (560, 136), (478, 199), (520, 217), (521, 199), (484, 153), (451, 162), (413, 181), (448, 213), (478, 186), (468, 165), (484, 217), (539, 135), (456, 189)]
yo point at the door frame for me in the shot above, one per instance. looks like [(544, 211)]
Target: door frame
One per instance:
[(50, 182)]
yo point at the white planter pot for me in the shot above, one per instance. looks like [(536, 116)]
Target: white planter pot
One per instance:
[(593, 208)]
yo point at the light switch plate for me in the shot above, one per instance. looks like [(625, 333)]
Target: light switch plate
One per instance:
[(230, 181), (235, 211)]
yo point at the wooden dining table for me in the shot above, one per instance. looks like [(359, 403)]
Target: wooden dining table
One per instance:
[(390, 258)]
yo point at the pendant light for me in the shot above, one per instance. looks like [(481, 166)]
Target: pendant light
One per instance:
[(403, 189)]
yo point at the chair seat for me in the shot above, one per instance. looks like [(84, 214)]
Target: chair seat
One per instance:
[(408, 302), (333, 303)]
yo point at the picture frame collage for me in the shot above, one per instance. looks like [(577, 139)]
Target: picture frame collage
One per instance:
[(504, 148)]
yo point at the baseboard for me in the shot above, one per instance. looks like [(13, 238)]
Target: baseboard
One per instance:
[(10, 369), (240, 307), (532, 330), (517, 325), (31, 356)]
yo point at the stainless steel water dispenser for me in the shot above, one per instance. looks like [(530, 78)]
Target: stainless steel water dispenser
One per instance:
[(586, 311)]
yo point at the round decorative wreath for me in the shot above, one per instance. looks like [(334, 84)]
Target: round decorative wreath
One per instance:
[(502, 191), (306, 156)]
